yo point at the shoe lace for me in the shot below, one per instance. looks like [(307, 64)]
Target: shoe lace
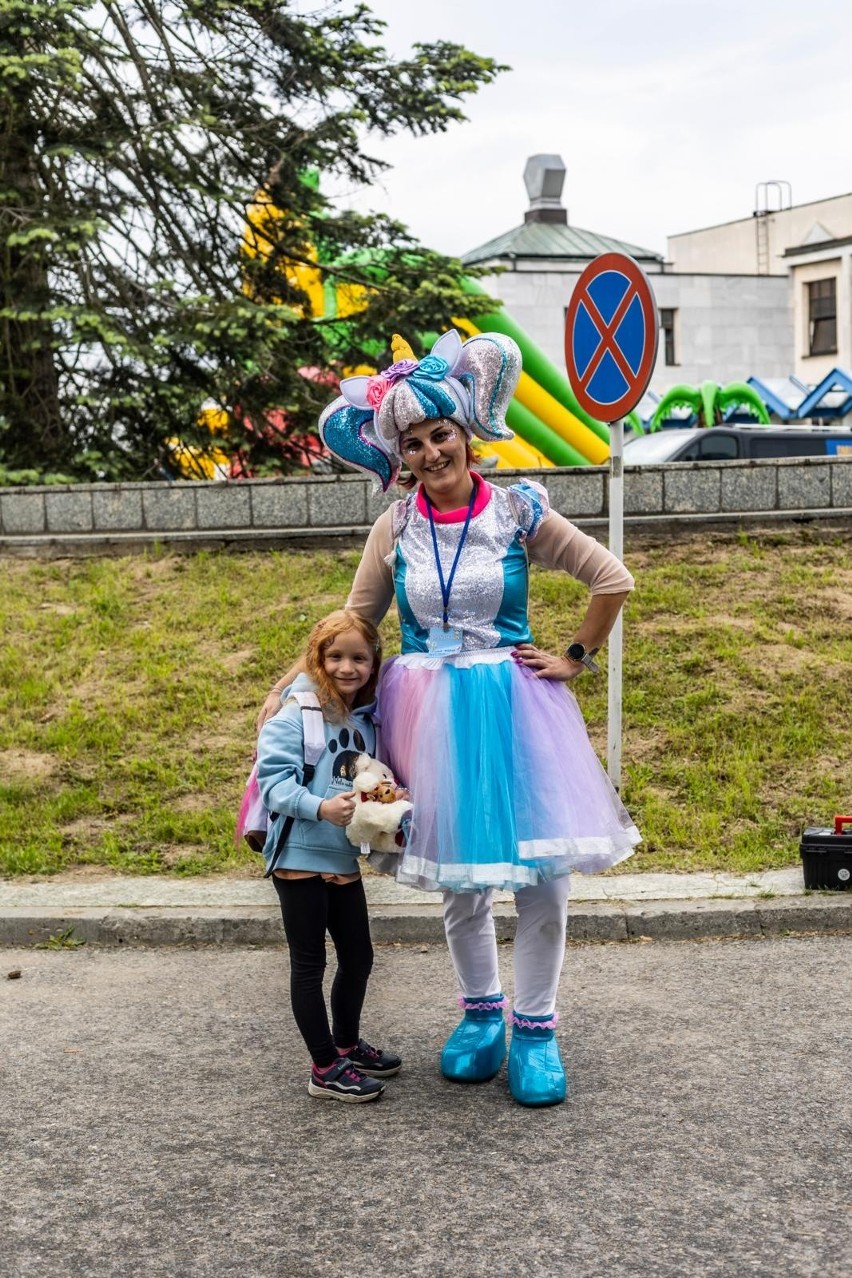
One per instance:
[(373, 1052)]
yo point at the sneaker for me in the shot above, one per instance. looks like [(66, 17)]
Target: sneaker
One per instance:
[(344, 1083), (373, 1062)]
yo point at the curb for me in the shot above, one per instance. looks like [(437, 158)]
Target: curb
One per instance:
[(822, 913)]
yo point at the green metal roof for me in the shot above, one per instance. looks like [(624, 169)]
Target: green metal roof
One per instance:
[(551, 239)]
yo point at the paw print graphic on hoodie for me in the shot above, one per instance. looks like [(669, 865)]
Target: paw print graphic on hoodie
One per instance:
[(344, 756)]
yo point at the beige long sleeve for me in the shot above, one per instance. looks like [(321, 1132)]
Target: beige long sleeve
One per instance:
[(557, 544), (560, 544), (372, 588)]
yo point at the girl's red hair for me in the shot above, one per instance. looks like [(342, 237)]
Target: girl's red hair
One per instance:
[(320, 639)]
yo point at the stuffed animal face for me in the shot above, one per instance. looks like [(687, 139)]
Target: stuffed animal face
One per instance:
[(385, 792)]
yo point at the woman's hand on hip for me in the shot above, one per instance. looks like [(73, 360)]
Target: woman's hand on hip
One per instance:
[(339, 810), (546, 665)]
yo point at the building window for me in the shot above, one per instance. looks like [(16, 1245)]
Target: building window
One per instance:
[(667, 324), (822, 317)]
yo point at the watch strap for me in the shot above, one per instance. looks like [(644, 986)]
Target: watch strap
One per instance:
[(586, 656)]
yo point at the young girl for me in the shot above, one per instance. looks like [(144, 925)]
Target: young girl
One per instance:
[(314, 868)]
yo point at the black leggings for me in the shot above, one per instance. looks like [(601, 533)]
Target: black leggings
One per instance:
[(309, 908)]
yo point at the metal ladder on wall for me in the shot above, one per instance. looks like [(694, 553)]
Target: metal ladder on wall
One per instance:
[(763, 207)]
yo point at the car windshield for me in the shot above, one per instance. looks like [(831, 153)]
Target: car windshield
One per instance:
[(654, 448)]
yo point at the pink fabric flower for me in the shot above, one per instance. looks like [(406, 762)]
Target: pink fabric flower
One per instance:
[(377, 388)]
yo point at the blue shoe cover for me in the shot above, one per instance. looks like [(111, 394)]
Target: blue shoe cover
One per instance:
[(536, 1076), (475, 1050)]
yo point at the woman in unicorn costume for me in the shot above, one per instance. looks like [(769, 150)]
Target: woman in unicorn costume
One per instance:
[(476, 721)]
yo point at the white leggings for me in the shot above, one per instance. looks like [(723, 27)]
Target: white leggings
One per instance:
[(539, 943)]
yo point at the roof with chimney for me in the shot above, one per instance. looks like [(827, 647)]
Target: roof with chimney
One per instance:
[(545, 231)]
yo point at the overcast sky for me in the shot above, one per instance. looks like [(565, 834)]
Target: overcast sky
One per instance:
[(667, 113)]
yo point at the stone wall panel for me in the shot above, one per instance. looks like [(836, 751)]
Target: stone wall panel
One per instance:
[(22, 512)]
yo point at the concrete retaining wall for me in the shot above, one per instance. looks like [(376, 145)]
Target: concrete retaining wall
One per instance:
[(98, 518)]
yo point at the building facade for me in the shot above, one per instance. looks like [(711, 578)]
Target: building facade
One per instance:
[(765, 296), (809, 246)]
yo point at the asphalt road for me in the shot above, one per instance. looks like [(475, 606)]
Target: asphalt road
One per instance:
[(155, 1121)]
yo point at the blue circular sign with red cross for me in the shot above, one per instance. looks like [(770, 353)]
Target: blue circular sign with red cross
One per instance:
[(611, 333)]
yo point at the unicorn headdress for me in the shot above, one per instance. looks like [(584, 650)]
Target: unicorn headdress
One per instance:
[(469, 383)]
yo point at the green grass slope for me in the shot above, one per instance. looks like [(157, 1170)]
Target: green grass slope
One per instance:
[(129, 688)]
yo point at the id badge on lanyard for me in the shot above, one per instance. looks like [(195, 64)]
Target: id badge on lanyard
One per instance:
[(446, 640), (443, 641)]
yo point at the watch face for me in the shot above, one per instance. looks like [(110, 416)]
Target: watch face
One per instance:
[(576, 651)]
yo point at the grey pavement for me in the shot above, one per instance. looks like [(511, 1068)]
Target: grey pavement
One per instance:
[(156, 1122), (242, 910)]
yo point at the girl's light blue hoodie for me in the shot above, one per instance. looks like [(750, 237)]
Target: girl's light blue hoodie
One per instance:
[(312, 844)]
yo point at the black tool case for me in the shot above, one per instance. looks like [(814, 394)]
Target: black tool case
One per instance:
[(827, 855)]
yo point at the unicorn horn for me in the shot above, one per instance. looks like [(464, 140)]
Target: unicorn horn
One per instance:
[(400, 349)]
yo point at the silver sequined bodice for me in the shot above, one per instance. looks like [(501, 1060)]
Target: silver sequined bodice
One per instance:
[(491, 567)]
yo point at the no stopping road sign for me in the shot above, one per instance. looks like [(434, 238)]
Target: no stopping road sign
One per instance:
[(611, 334)]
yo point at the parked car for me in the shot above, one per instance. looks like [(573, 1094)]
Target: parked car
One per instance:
[(730, 443)]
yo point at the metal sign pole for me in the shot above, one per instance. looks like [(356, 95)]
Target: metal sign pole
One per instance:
[(611, 335), (616, 545)]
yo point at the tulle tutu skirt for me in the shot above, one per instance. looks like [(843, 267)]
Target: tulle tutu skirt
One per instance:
[(506, 787)]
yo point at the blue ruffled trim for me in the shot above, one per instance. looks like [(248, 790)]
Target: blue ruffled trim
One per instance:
[(402, 512), (530, 504)]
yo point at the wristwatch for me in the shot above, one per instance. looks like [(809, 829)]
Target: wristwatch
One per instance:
[(579, 652)]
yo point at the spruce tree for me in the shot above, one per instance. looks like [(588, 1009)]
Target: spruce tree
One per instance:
[(138, 140)]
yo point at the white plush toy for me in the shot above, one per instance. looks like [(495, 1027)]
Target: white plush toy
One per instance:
[(378, 809)]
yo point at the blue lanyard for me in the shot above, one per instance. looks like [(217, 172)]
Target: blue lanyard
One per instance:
[(446, 588)]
